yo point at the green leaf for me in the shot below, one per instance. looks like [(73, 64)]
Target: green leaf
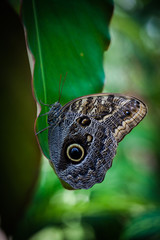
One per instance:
[(66, 37)]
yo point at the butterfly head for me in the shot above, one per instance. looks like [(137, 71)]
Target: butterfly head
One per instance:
[(54, 113)]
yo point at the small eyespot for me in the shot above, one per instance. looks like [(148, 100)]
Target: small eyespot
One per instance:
[(89, 138), (75, 152), (84, 121), (127, 113)]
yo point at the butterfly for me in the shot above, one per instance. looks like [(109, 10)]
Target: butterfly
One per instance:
[(83, 135)]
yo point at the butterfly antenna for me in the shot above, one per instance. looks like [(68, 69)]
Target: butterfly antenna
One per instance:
[(45, 104), (60, 92), (43, 130)]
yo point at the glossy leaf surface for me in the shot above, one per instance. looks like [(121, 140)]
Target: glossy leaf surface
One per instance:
[(66, 37)]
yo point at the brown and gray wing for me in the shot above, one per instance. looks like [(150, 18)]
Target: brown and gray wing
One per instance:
[(119, 113)]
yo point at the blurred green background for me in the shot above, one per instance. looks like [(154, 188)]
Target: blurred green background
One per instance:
[(127, 204)]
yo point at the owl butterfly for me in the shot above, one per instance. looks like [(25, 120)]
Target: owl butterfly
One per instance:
[(84, 134)]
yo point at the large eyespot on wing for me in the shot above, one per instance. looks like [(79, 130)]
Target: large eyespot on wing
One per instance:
[(131, 111), (75, 152)]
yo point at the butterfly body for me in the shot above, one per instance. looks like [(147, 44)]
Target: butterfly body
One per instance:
[(84, 135)]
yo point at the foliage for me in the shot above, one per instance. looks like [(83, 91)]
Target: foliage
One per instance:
[(126, 204), (65, 37)]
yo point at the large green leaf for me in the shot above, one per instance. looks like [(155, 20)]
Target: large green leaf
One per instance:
[(66, 37)]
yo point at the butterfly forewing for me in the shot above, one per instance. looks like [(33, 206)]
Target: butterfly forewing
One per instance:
[(118, 112)]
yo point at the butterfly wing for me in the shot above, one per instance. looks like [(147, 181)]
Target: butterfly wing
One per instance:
[(119, 113), (84, 142)]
